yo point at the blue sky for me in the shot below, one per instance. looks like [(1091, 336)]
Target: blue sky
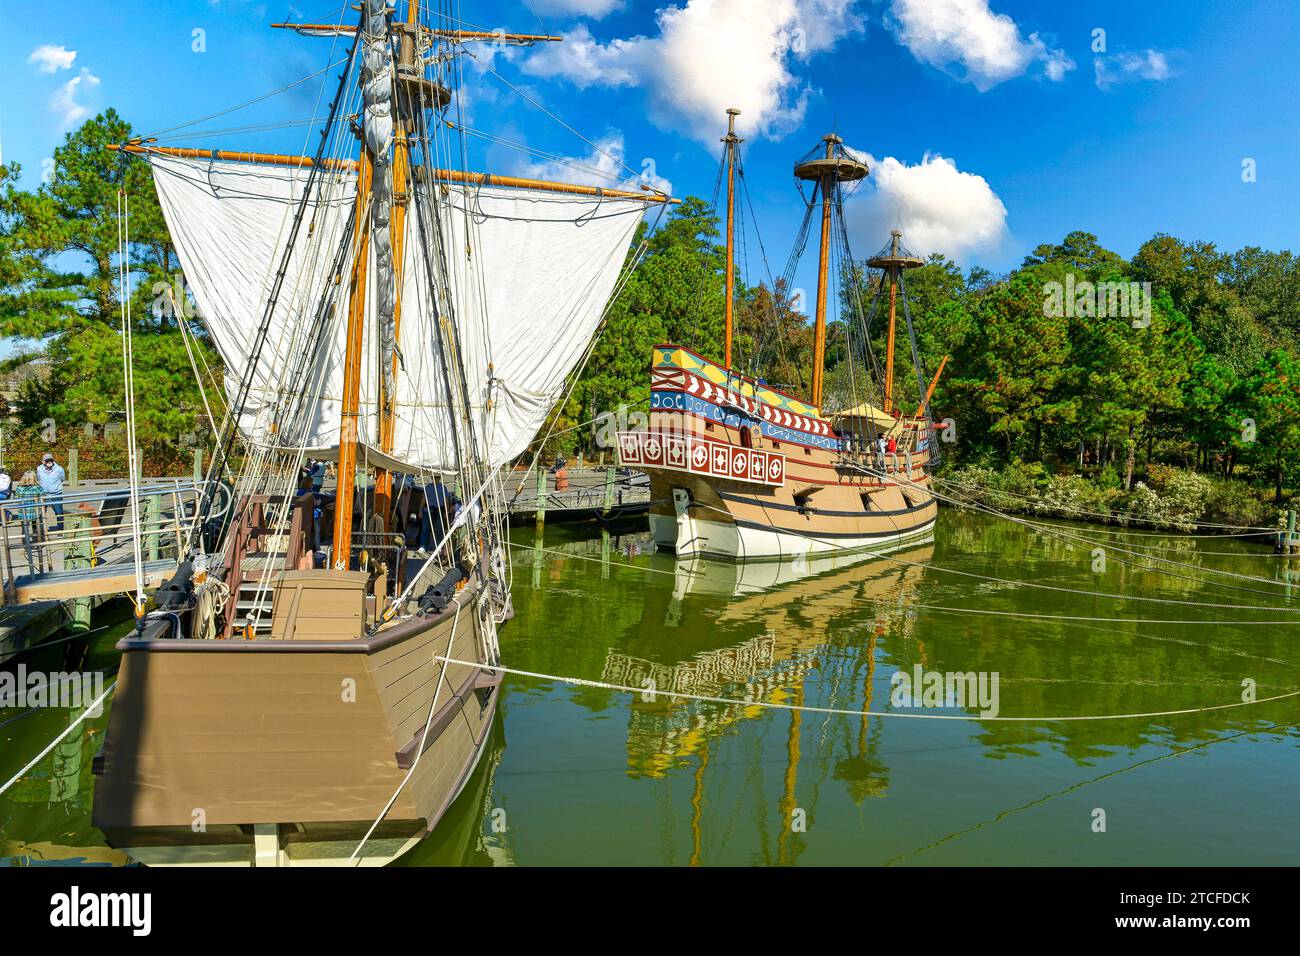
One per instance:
[(1038, 133)]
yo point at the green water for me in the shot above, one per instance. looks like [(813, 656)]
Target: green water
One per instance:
[(582, 775)]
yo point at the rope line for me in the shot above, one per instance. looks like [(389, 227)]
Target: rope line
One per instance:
[(59, 739), (1257, 531), (910, 605), (1044, 587), (847, 712)]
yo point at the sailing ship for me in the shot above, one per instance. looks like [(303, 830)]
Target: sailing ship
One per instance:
[(742, 469), (306, 692)]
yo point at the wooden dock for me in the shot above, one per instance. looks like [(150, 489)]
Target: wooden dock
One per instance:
[(604, 494), (51, 577)]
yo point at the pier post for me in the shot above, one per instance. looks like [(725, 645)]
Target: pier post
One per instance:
[(7, 572), (198, 465), (609, 491), (74, 469), (1291, 544), (541, 494), (76, 557), (152, 523), (537, 559)]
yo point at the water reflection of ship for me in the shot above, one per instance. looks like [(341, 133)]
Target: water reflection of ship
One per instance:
[(797, 607)]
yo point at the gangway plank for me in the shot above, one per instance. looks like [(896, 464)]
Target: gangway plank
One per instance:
[(100, 580)]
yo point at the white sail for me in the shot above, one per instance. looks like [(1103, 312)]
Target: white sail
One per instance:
[(530, 272)]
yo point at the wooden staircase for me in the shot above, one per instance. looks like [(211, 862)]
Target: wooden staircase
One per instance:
[(257, 554)]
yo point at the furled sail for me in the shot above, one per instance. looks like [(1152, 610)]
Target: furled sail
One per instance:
[(377, 83), (530, 274)]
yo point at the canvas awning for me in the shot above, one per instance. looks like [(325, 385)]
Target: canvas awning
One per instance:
[(878, 417)]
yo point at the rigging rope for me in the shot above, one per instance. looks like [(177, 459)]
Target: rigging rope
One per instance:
[(651, 694), (912, 605), (1028, 584), (59, 739), (128, 387)]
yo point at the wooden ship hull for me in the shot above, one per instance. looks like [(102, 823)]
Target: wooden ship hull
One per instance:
[(285, 752), (742, 471)]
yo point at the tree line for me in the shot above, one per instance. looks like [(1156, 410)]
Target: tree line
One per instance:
[(1046, 363)]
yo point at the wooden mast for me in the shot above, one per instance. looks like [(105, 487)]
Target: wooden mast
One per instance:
[(732, 142), (893, 261), (826, 171), (819, 327), (401, 163), (893, 327), (930, 391), (351, 409)]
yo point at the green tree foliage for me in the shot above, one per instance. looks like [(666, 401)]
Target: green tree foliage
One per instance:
[(1016, 364), (60, 286), (676, 294), (775, 339), (1270, 398), (1094, 386), (1193, 275)]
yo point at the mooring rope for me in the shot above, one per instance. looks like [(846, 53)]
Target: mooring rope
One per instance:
[(1034, 584), (912, 605), (59, 739), (846, 712)]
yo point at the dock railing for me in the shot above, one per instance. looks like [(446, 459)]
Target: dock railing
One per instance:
[(591, 490), (91, 548)]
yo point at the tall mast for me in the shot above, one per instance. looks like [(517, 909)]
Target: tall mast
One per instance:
[(893, 326), (405, 107), (351, 410), (834, 167), (894, 260), (373, 221), (732, 142)]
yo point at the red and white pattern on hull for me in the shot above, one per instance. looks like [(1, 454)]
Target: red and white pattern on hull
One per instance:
[(696, 455), (692, 384)]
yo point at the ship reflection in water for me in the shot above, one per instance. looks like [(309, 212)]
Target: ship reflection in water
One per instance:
[(796, 603)]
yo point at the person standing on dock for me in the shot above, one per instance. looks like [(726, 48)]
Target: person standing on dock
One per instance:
[(51, 476), (28, 494), (6, 485), (561, 475)]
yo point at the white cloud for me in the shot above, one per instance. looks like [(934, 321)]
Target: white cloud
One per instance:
[(584, 61), (606, 165), (968, 40), (65, 102), (1120, 67), (48, 58), (938, 208), (580, 8), (710, 55)]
